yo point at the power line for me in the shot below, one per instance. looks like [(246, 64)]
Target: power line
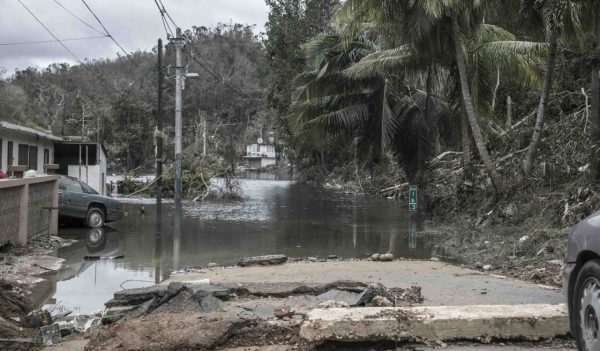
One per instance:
[(205, 65), (63, 45), (109, 35), (165, 23), (79, 18), (51, 41), (169, 16), (49, 31), (216, 75)]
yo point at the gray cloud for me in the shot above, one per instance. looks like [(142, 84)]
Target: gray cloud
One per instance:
[(136, 25)]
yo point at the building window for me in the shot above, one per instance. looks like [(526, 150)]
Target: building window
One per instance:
[(46, 156), (23, 155), (33, 157), (28, 156), (9, 154)]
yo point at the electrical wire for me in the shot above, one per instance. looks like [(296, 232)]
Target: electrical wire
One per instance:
[(109, 35), (64, 46), (168, 15), (51, 41), (195, 54), (79, 18), (166, 25), (49, 31), (217, 76)]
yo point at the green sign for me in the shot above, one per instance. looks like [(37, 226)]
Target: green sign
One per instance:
[(412, 198)]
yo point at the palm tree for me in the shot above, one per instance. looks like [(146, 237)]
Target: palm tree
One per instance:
[(432, 28), (475, 44), (552, 12), (373, 108)]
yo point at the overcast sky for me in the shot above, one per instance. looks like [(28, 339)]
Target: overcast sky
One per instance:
[(135, 24)]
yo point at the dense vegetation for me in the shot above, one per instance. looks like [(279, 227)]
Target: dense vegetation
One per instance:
[(497, 96), (402, 82), (116, 99), (491, 107)]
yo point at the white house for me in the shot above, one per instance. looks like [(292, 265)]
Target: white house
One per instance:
[(260, 156), (84, 161), (32, 149), (24, 146)]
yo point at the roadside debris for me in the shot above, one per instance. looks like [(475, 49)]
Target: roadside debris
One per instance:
[(23, 327), (263, 260), (386, 257)]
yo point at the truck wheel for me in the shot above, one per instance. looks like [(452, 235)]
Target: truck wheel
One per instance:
[(587, 306), (95, 218)]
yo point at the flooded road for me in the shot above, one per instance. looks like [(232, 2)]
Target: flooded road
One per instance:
[(275, 217)]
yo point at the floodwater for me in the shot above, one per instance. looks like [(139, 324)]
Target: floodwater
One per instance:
[(275, 217)]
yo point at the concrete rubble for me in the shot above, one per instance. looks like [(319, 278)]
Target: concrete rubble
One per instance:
[(439, 323), (200, 316)]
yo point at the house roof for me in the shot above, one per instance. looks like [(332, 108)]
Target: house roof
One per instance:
[(27, 130)]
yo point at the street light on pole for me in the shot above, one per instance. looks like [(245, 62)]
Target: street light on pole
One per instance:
[(179, 87), (178, 40)]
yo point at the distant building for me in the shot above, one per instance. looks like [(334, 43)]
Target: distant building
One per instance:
[(24, 148), (260, 156)]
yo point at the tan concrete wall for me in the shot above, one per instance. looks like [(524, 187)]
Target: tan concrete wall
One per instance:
[(9, 214), (24, 208)]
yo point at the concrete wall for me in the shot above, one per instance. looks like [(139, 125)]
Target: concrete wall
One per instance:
[(22, 138), (22, 210)]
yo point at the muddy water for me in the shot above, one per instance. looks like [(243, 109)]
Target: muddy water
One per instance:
[(275, 217)]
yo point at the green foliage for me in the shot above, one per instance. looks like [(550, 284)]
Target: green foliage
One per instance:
[(120, 99), (291, 23)]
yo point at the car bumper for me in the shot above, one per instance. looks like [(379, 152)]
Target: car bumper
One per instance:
[(568, 289), (114, 215)]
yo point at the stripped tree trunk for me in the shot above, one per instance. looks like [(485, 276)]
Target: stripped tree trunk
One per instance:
[(541, 115), (508, 112), (470, 109), (466, 145)]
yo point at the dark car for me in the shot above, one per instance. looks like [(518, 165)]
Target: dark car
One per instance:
[(79, 202), (582, 282)]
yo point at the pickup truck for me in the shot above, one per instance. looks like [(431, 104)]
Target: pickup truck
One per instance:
[(80, 202)]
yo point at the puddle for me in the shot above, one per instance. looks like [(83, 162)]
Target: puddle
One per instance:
[(275, 217)]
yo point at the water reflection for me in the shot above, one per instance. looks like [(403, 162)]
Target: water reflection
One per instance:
[(158, 242), (275, 217), (177, 233), (412, 231)]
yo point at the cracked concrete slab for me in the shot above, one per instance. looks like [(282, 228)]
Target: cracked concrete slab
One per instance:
[(441, 283)]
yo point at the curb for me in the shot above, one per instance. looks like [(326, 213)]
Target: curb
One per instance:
[(439, 323)]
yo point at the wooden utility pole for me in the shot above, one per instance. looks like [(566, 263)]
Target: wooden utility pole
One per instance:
[(159, 126)]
